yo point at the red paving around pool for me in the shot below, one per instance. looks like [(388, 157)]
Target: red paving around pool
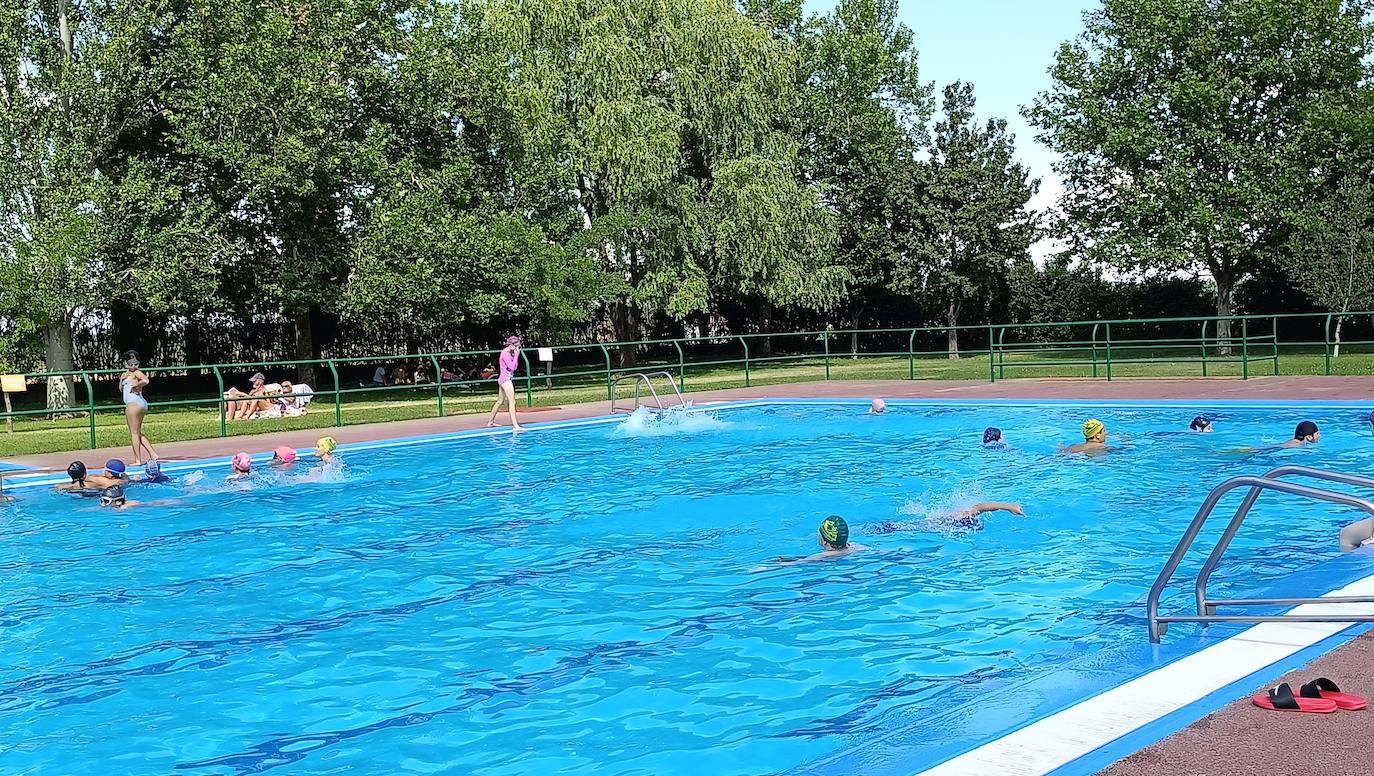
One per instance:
[(1240, 739)]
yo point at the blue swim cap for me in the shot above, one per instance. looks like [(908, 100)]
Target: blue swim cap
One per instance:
[(115, 466), (991, 435)]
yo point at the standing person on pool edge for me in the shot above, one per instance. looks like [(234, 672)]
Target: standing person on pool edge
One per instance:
[(131, 385), (505, 387)]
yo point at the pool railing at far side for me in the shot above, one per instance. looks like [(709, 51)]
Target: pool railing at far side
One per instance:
[(1104, 349), (1207, 607)]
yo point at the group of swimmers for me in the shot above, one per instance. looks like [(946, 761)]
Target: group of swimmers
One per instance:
[(110, 484), (833, 534)]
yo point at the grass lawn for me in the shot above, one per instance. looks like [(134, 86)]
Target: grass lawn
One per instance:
[(167, 424)]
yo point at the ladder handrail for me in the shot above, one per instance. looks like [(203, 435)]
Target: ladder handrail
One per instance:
[(1256, 484), (1204, 606), (643, 379)]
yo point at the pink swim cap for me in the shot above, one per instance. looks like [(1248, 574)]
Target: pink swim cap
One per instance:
[(243, 462), (285, 454)]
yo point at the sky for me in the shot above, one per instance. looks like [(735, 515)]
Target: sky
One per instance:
[(1004, 48)]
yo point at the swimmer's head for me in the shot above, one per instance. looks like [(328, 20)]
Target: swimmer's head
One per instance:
[(877, 407), (112, 496), (242, 463), (77, 471), (834, 533), (325, 445), (1094, 430), (1371, 421), (1200, 423), (115, 468), (152, 470), (284, 454), (1307, 431), (992, 435)]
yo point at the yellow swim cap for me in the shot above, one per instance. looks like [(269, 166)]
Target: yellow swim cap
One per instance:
[(326, 444), (1092, 428)]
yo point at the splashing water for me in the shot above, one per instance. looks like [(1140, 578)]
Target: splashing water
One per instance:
[(644, 422)]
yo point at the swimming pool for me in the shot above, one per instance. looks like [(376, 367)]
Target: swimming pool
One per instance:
[(580, 601)]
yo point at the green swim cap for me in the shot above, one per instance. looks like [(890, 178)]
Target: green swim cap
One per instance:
[(835, 532)]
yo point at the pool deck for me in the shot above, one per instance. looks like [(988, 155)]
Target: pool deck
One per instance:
[(1243, 739), (1239, 739), (1227, 389)]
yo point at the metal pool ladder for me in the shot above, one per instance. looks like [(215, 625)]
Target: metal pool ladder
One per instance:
[(644, 383), (1272, 480)]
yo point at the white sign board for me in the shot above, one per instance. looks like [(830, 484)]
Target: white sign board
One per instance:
[(546, 355)]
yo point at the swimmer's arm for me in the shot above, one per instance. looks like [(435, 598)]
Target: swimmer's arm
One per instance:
[(991, 506), (1357, 534)]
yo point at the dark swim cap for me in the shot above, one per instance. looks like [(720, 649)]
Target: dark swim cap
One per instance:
[(835, 532), (992, 434), (1305, 429), (131, 358), (112, 495), (77, 471), (1199, 423)]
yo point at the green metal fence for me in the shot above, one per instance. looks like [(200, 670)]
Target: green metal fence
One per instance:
[(1098, 349)]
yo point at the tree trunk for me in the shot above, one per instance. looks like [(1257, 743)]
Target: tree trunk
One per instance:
[(854, 335), (1336, 351), (625, 322), (57, 344), (763, 346), (9, 419), (1225, 288), (305, 348), (953, 333)]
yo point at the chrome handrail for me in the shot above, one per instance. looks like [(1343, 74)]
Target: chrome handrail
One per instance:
[(1207, 608), (643, 379)]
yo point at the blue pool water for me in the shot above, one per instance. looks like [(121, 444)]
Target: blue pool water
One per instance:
[(580, 600)]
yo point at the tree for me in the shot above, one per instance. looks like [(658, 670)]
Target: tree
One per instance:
[(1331, 251), (1176, 119), (861, 116), (968, 204), (624, 112)]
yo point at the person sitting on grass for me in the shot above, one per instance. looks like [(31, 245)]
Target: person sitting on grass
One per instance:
[(1306, 433), (834, 542), (1094, 439), (242, 406)]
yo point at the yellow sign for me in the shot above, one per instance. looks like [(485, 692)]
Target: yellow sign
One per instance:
[(13, 384)]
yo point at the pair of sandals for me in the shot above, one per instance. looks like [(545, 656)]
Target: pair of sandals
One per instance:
[(1319, 696)]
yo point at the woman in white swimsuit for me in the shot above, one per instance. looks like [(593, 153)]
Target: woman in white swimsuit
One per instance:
[(131, 385)]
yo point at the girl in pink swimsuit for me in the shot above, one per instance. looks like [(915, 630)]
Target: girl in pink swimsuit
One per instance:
[(505, 388)]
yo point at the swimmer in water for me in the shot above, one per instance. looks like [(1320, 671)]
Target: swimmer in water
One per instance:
[(834, 542), (1094, 439), (116, 473), (992, 437), (152, 474), (3, 498), (283, 457), (1306, 433), (76, 470), (324, 449), (113, 496), (242, 464), (878, 407), (1201, 425), (970, 518)]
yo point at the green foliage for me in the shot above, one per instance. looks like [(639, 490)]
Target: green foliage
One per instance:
[(1331, 253), (1179, 124)]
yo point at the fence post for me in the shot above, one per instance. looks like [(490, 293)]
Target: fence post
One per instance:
[(1274, 329), (438, 381), (90, 406), (1002, 353), (745, 343), (1204, 347), (1109, 351), (338, 397), (681, 379), (610, 391), (1245, 348), (223, 403), (992, 366), (911, 356), (1326, 342), (825, 338), (1094, 349), (529, 379)]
